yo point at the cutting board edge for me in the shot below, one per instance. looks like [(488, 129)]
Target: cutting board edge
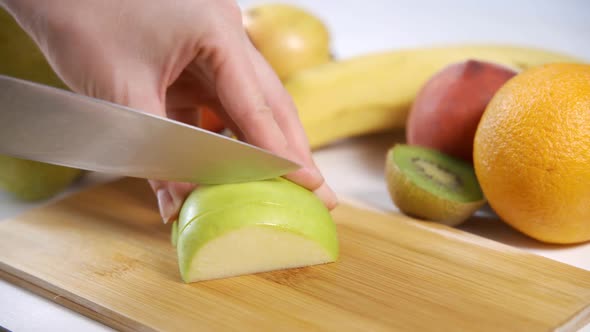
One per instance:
[(66, 301), (577, 321), (571, 324)]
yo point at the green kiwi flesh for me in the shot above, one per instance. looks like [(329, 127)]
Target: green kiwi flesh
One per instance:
[(428, 184)]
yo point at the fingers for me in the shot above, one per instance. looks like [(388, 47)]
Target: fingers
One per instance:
[(242, 98), (170, 196), (285, 114), (253, 97), (186, 115)]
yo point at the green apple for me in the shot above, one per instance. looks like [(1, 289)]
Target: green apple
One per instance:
[(31, 181), (243, 228), (21, 58)]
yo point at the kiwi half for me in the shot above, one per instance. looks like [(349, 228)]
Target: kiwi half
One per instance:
[(431, 185)]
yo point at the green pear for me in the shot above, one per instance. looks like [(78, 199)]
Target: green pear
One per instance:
[(32, 181), (244, 228)]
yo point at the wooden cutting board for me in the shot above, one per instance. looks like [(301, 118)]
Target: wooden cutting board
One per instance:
[(105, 253)]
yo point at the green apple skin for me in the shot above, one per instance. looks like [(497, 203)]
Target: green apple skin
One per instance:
[(21, 58), (174, 233), (221, 197), (211, 211), (29, 180)]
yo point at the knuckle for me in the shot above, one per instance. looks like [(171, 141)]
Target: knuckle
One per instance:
[(232, 11), (260, 112)]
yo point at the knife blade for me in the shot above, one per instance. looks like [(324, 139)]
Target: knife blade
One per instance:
[(55, 126)]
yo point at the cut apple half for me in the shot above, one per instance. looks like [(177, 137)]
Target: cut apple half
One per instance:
[(254, 249), (236, 229)]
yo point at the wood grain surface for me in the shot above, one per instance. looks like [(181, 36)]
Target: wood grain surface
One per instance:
[(105, 253)]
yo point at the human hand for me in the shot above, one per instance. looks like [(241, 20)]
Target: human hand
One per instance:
[(169, 58)]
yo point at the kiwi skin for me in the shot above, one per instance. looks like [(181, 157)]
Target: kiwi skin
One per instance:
[(419, 203)]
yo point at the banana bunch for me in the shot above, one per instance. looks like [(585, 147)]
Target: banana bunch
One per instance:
[(373, 93)]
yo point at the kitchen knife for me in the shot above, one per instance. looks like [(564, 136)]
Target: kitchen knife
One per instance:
[(55, 126)]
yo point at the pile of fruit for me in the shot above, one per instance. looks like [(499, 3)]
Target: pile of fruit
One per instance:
[(507, 126), (520, 141)]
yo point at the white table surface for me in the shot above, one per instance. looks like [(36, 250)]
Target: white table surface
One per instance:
[(354, 167)]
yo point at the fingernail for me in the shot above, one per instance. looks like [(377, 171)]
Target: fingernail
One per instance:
[(177, 195), (165, 204), (327, 195)]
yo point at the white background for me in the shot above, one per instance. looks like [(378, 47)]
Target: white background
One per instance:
[(353, 168)]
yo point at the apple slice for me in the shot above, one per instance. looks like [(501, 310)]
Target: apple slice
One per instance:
[(235, 229)]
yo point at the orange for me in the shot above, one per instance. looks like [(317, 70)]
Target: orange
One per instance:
[(532, 153)]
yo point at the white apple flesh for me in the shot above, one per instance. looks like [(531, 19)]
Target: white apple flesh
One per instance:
[(236, 229), (254, 249)]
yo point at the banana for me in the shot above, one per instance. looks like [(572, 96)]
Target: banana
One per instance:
[(373, 93)]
